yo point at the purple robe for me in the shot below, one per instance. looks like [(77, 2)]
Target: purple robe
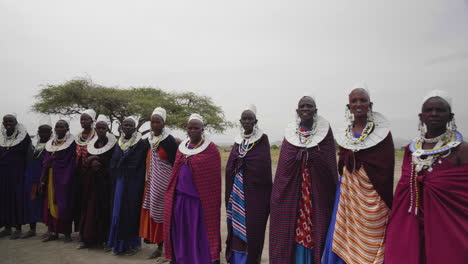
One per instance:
[(188, 232), (63, 166), (12, 169), (256, 165)]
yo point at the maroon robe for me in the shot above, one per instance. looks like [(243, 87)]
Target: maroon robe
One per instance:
[(439, 234), (256, 167)]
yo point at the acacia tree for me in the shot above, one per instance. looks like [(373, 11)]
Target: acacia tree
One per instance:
[(75, 96)]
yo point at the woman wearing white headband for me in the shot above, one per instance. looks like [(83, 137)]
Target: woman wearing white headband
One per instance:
[(127, 167), (248, 191), (159, 161), (58, 170), (192, 209), (429, 220), (365, 189), (82, 140)]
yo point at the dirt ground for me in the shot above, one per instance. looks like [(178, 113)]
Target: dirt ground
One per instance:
[(33, 251)]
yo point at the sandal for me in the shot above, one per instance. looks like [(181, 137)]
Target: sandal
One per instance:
[(15, 235), (50, 237), (132, 251), (5, 232), (156, 254)]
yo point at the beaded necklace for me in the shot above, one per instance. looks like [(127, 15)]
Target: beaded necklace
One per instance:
[(155, 140), (82, 141), (365, 133), (305, 137), (196, 146), (56, 143), (9, 140), (245, 147), (442, 149), (125, 144), (38, 149)]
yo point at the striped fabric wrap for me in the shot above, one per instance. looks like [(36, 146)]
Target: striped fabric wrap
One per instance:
[(158, 175), (286, 196), (361, 220), (206, 172), (235, 211)]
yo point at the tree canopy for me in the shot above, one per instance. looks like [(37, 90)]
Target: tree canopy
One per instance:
[(75, 96)]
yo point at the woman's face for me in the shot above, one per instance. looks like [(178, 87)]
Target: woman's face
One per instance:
[(128, 127), (44, 132), (9, 122), (195, 130), (359, 103), (436, 113), (248, 121), (61, 128), (157, 124), (101, 129), (86, 121), (306, 109)]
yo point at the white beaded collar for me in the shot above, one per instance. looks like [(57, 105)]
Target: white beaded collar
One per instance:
[(258, 133), (153, 140), (380, 132), (111, 141), (69, 139), (78, 140), (22, 132), (190, 152), (321, 132)]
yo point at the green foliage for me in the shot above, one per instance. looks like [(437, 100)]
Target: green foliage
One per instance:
[(73, 97), (274, 146)]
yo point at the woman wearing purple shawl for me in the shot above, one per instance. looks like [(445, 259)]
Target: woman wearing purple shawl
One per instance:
[(58, 171), (304, 189), (14, 143), (429, 219), (248, 191)]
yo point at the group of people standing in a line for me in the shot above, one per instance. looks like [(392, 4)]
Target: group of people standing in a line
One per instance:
[(117, 191)]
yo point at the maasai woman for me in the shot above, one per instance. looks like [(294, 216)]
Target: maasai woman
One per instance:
[(193, 200), (429, 220), (82, 140), (58, 172), (33, 197), (304, 189), (128, 167), (364, 194), (248, 191), (96, 187), (14, 143), (159, 162)]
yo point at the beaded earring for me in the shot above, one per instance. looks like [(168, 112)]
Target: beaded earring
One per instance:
[(451, 125), (422, 128), (370, 115)]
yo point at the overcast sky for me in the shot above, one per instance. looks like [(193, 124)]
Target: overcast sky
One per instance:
[(269, 53)]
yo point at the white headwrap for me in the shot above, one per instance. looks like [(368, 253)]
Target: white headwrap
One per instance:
[(45, 121), (438, 93), (66, 120), (360, 85), (196, 117), (251, 107), (134, 120), (160, 112), (13, 114), (103, 118), (91, 113)]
